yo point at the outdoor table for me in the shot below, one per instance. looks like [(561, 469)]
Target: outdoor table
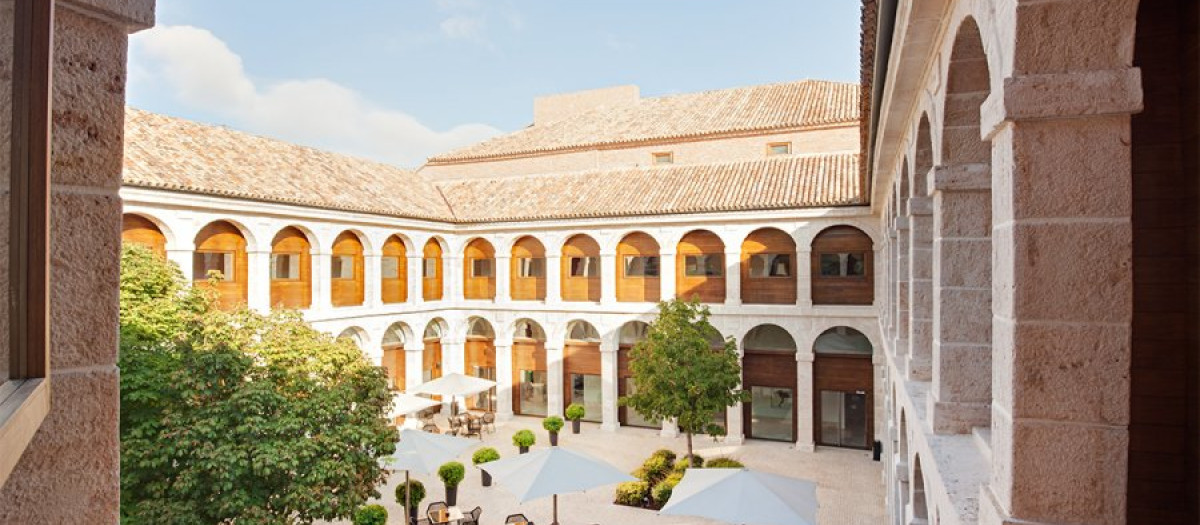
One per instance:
[(453, 514)]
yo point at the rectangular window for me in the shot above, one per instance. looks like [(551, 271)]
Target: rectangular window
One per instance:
[(529, 267), (342, 267), (429, 268), (389, 267), (585, 266), (481, 267), (664, 157), (704, 265), (205, 262), (285, 266), (771, 265), (779, 148), (641, 266), (843, 265)]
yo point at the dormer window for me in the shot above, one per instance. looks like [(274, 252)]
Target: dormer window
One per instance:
[(663, 157), (779, 148)]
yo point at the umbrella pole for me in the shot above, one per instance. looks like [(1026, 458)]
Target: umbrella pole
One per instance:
[(407, 498), (555, 510)]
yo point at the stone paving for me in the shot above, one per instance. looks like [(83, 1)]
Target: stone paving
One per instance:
[(849, 485)]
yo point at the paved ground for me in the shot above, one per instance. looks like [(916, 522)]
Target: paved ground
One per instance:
[(849, 485)]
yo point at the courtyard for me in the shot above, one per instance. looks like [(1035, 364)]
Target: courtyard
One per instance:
[(849, 485)]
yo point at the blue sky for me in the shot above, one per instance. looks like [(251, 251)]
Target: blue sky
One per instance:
[(402, 79)]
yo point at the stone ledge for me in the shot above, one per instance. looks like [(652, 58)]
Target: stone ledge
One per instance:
[(961, 177), (133, 15), (1062, 95)]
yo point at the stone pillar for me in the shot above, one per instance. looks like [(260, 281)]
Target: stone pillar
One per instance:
[(504, 380), (503, 272), (961, 393), (889, 299), (667, 277), (372, 280), (670, 428), (920, 287), (609, 385), (608, 278), (734, 430), (415, 267), (452, 278), (454, 359), (733, 278), (258, 283), (414, 361), (322, 283), (554, 379), (553, 277), (804, 278), (900, 301), (185, 259), (1062, 279), (804, 402)]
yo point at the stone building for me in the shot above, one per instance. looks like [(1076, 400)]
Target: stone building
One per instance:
[(1033, 174)]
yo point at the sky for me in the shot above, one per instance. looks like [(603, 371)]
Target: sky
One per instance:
[(400, 80)]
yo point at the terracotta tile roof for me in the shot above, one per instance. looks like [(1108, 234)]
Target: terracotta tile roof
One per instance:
[(866, 48), (746, 109), (176, 154), (774, 183)]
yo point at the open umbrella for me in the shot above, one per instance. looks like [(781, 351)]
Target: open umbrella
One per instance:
[(550, 472), (454, 384), (744, 496), (405, 404), (423, 452)]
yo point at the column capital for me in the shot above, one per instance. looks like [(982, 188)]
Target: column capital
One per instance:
[(961, 177), (1062, 95)]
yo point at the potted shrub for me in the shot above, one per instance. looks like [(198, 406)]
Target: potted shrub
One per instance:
[(370, 515), (416, 493), (552, 425), (632, 493), (452, 474), (575, 412), (485, 455), (523, 439)]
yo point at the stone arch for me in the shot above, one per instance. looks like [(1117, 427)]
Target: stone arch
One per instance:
[(221, 247), (769, 374), (527, 271), (147, 230), (700, 266), (291, 268), (480, 360), (433, 269), (638, 270), (393, 269), (530, 378), (768, 267), (395, 337), (356, 335), (582, 381), (436, 330), (479, 269), (347, 269), (581, 272), (922, 158), (628, 335), (920, 509), (842, 268)]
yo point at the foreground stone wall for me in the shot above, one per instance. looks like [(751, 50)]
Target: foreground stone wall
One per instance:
[(70, 471)]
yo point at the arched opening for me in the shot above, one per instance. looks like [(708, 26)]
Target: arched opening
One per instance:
[(221, 250), (137, 229), (920, 260), (479, 270), (346, 270), (919, 509), (291, 270), (431, 356), (843, 383), (630, 335), (393, 271), (638, 269), (394, 358), (768, 267), (529, 369), (901, 468), (581, 269), (355, 335), (480, 351), (581, 369), (431, 271), (843, 267), (528, 270), (700, 267), (769, 374)]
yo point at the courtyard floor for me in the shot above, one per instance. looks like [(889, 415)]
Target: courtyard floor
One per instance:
[(849, 485)]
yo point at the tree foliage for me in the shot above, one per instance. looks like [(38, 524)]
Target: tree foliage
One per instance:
[(677, 374), (238, 417)]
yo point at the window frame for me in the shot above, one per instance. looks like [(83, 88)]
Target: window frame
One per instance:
[(627, 259), (593, 267), (299, 273), (382, 266), (705, 257), (655, 156), (228, 257), (772, 145), (820, 274), (342, 265), (525, 266), (474, 270), (770, 263), (428, 264)]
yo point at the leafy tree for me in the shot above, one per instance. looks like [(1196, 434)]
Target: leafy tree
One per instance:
[(678, 374), (238, 417)]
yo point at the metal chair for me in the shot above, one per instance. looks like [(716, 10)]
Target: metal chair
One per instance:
[(474, 428), (517, 518), (472, 517), (431, 428), (433, 508), (489, 420)]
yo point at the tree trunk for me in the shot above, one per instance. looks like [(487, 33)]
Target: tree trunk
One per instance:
[(689, 442)]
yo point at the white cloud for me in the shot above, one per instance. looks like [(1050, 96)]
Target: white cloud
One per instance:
[(200, 71), (464, 27)]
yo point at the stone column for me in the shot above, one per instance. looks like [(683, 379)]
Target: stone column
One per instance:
[(961, 393), (554, 379), (414, 279), (900, 301), (670, 428), (372, 280), (454, 360), (504, 380), (804, 278), (414, 361), (734, 430), (920, 287), (608, 278), (322, 283), (609, 385), (667, 277), (733, 278), (258, 284), (452, 278), (553, 277), (503, 272), (185, 259), (804, 402)]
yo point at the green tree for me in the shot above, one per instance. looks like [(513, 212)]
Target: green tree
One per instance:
[(678, 374), (238, 417)]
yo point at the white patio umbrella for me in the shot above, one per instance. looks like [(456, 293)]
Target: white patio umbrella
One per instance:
[(405, 404), (550, 472), (736, 495), (454, 384), (423, 452)]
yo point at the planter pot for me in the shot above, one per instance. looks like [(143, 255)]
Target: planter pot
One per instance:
[(554, 439), (523, 449), (412, 515), (574, 426), (451, 496), (487, 479)]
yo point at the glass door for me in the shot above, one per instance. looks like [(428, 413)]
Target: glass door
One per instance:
[(485, 400), (533, 393), (844, 419), (585, 390), (634, 418), (772, 413)]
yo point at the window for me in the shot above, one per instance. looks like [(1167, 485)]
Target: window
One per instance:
[(481, 267), (664, 157), (529, 267), (389, 267), (585, 266), (843, 265), (205, 262), (342, 267), (285, 266), (704, 265), (779, 148), (770, 265), (641, 266), (429, 268)]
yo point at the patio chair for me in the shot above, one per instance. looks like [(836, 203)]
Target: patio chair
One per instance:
[(455, 426), (472, 517), (517, 518), (432, 510), (489, 420), (474, 428), (431, 428)]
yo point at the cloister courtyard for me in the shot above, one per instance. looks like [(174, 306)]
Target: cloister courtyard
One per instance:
[(850, 487)]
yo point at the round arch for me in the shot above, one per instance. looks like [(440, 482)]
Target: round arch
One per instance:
[(221, 247), (529, 369), (432, 269), (769, 374), (146, 230), (347, 269), (527, 269), (580, 268), (630, 334), (480, 356), (700, 267), (843, 267), (431, 356), (582, 369), (479, 270), (843, 388), (638, 268), (291, 269), (768, 267), (394, 339), (355, 335)]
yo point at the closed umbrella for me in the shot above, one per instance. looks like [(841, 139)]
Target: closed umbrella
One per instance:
[(423, 452), (744, 496), (454, 384), (550, 472)]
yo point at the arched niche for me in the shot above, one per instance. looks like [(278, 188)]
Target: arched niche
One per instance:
[(479, 270), (291, 269), (768, 267), (700, 267), (528, 270), (769, 374), (221, 250), (530, 396), (638, 269), (843, 267), (581, 269), (393, 271), (137, 229), (431, 271), (346, 270)]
